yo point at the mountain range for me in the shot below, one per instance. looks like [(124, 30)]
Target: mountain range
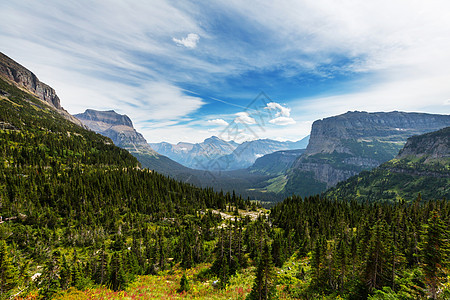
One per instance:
[(339, 147), (215, 154)]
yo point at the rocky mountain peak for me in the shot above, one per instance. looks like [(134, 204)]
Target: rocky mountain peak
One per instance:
[(26, 79), (109, 117), (23, 78), (117, 127), (434, 145)]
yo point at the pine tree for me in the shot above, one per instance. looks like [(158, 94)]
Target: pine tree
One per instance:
[(318, 263), (65, 274), (102, 267), (434, 252), (50, 283), (8, 280), (117, 279), (264, 287), (184, 284), (379, 257)]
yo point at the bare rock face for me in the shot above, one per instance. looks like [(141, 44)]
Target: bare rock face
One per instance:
[(343, 146), (25, 79), (434, 145), (328, 135), (117, 127)]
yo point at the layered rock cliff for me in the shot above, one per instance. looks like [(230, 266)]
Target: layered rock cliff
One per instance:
[(23, 78), (117, 127), (345, 145), (330, 134), (434, 145), (422, 166)]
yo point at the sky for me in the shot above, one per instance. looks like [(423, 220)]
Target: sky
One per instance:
[(241, 70)]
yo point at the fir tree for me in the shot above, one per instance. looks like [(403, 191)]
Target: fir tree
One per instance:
[(117, 280), (184, 284), (264, 287), (8, 276), (434, 252)]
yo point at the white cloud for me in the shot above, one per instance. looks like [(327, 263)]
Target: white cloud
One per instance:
[(189, 42), (282, 121), (244, 118), (282, 115), (281, 110), (220, 122)]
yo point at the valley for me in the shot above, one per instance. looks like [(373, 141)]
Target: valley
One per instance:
[(90, 210)]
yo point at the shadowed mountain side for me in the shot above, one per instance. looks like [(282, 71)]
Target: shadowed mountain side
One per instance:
[(345, 145), (422, 166)]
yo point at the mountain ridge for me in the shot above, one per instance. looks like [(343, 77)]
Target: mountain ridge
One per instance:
[(23, 78), (422, 166), (344, 145), (220, 155)]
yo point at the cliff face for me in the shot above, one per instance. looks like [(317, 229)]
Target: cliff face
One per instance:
[(422, 166), (329, 134), (117, 127), (344, 145), (25, 79), (434, 145)]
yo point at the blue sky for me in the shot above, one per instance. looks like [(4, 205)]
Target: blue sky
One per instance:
[(184, 71)]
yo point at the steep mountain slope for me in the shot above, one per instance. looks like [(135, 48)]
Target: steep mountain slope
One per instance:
[(14, 73), (422, 166), (70, 198), (276, 163), (117, 127), (344, 145)]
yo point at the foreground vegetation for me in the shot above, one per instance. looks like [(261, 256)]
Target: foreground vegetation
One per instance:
[(81, 219)]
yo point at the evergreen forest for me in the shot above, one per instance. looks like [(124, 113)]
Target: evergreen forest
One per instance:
[(80, 215)]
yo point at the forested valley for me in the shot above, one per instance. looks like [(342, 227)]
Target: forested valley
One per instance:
[(81, 219)]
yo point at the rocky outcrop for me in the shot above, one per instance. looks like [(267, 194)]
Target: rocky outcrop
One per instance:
[(343, 146), (118, 128), (434, 145), (25, 79), (328, 135), (422, 166)]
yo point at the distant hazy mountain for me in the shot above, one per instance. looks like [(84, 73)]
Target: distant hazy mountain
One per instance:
[(344, 145), (197, 156), (215, 154), (248, 152), (422, 166), (276, 163)]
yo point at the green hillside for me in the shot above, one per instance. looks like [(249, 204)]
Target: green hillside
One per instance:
[(66, 193), (82, 220), (423, 166)]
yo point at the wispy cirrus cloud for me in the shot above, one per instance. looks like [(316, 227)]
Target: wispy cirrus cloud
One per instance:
[(322, 58)]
